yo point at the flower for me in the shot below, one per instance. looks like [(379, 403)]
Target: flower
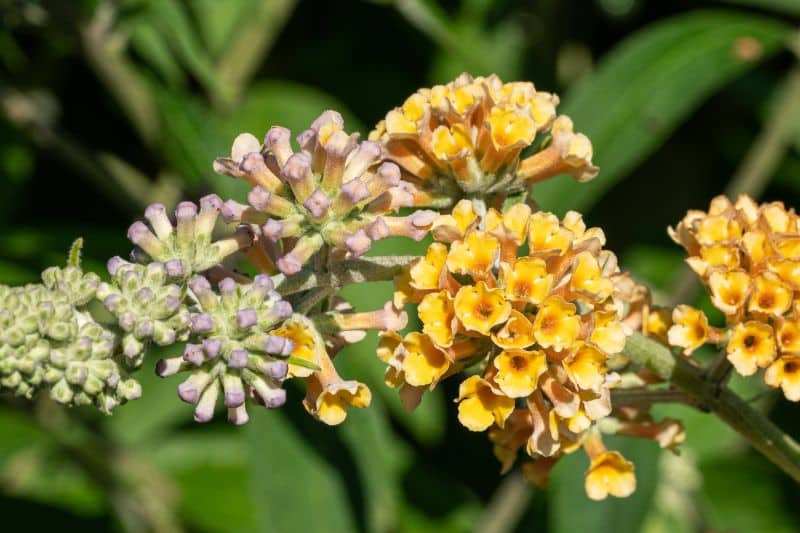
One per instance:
[(610, 473), (689, 328), (328, 396), (334, 192), (751, 346), (748, 256), (784, 372), (468, 137), (479, 406), (237, 351), (536, 305)]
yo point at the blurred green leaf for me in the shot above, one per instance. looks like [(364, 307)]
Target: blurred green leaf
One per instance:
[(655, 265), (571, 510), (292, 488), (217, 21), (742, 494), (17, 432), (788, 7), (151, 45), (645, 87)]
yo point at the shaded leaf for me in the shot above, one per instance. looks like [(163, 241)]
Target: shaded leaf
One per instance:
[(647, 86)]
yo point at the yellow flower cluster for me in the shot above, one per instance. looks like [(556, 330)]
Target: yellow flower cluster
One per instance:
[(540, 325), (474, 136), (748, 255)]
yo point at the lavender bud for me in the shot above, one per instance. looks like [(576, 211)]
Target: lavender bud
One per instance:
[(212, 347), (238, 358), (202, 323), (246, 318), (317, 204)]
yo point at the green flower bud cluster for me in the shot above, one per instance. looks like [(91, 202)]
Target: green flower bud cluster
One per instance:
[(146, 305), (235, 355), (186, 247), (49, 342)]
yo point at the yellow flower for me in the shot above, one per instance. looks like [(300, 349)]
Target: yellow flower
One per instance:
[(610, 473), (517, 332), (438, 317), (426, 273), (450, 143), (729, 290), (786, 269), (527, 281), (756, 246), (510, 128), (546, 236), (475, 255), (573, 221), (752, 345), (608, 333), (480, 406), (718, 229), (480, 308), (587, 277), (329, 402), (507, 440), (452, 227), (518, 371), (307, 344), (556, 324), (656, 322), (770, 295), (716, 255), (787, 332), (785, 373), (689, 328), (586, 367), (424, 363), (510, 226)]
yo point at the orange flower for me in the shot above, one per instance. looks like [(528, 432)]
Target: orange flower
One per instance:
[(518, 371), (556, 325), (479, 406), (480, 308), (610, 473), (752, 345)]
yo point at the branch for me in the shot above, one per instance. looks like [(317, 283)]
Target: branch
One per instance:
[(343, 273), (759, 431)]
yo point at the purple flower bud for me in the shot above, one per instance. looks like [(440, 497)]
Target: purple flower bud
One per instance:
[(289, 264), (244, 143), (234, 398), (276, 345), (276, 398), (272, 229), (144, 329), (113, 264), (378, 229), (358, 243), (423, 219), (171, 303), (202, 323), (246, 318), (306, 139), (278, 370), (144, 295), (355, 191), (154, 210), (282, 309), (389, 173), (297, 167), (232, 211), (317, 204), (203, 412), (253, 162), (138, 232), (185, 211), (139, 256), (238, 358), (238, 416), (212, 347), (193, 354), (210, 202), (227, 286), (199, 284), (175, 268), (276, 135), (127, 322), (264, 281), (370, 149), (112, 302), (258, 197)]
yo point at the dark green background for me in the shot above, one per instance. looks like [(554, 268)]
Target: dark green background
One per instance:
[(107, 106)]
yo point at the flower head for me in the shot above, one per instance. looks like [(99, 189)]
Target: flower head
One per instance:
[(334, 191), (610, 473), (472, 136), (748, 255)]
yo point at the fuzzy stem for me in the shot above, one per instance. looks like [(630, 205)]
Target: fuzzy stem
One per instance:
[(343, 273), (756, 428)]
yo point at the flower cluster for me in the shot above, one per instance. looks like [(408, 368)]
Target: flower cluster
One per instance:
[(334, 191), (540, 326), (480, 136), (748, 255), (49, 341)]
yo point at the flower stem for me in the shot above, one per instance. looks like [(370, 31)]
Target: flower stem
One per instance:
[(754, 426), (343, 273)]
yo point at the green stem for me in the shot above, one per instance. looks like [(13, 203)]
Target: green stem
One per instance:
[(756, 428)]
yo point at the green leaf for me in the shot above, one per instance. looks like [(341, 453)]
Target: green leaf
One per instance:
[(292, 487), (788, 7), (571, 510), (646, 87)]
